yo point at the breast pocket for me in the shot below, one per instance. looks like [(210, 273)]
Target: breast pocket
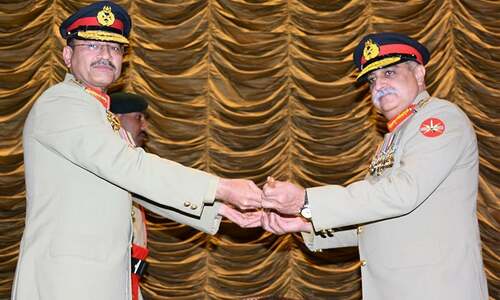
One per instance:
[(85, 247)]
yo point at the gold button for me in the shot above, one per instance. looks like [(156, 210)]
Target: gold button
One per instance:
[(330, 232), (194, 206), (363, 263), (187, 203), (359, 230)]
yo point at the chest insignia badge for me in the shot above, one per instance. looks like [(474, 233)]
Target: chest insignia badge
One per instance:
[(432, 127)]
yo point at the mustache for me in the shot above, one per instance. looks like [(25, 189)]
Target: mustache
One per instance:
[(103, 62), (381, 93)]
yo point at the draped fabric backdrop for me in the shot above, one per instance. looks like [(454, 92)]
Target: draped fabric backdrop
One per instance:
[(250, 89)]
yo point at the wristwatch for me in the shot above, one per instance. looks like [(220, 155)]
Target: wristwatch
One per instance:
[(305, 211)]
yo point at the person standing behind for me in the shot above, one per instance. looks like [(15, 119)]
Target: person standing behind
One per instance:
[(76, 161), (131, 112), (418, 232)]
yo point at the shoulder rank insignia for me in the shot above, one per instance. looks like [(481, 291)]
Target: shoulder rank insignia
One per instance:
[(432, 127)]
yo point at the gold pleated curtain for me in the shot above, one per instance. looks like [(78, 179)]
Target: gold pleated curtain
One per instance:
[(250, 89)]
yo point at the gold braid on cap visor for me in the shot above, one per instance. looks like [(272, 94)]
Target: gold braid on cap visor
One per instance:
[(378, 64), (103, 36)]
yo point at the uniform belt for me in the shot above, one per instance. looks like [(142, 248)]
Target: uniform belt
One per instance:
[(139, 263), (138, 266)]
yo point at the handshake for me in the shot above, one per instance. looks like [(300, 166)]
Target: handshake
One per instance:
[(276, 208)]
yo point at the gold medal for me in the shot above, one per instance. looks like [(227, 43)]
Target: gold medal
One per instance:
[(384, 158)]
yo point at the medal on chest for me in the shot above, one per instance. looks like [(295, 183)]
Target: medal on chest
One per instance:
[(384, 157)]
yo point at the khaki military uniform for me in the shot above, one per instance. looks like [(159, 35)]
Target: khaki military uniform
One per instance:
[(79, 172), (418, 233)]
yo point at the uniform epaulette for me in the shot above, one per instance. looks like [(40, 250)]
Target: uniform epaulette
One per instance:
[(422, 103)]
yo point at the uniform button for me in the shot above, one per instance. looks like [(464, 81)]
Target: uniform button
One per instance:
[(194, 206), (363, 263), (359, 230), (330, 232), (187, 203)]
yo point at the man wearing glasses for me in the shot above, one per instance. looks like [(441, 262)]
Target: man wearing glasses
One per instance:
[(80, 168)]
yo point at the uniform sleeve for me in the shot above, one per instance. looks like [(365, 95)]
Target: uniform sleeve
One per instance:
[(344, 238), (75, 128), (208, 222), (425, 163)]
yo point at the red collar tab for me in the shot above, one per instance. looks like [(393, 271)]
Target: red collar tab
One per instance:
[(401, 117), (102, 97)]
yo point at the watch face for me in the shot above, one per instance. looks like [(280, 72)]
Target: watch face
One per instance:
[(306, 213)]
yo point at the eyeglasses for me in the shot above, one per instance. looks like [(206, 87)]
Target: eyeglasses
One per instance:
[(98, 47)]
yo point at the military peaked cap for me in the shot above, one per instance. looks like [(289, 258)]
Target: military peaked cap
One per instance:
[(100, 21), (380, 50)]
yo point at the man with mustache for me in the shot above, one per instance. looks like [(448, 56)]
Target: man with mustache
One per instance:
[(81, 166), (415, 212)]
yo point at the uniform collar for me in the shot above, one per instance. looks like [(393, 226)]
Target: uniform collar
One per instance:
[(408, 112), (98, 94), (421, 97)]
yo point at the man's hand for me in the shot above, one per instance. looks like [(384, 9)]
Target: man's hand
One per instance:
[(243, 219), (284, 197), (240, 193), (279, 224)]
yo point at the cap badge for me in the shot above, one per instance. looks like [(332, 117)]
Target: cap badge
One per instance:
[(105, 17), (371, 50)]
